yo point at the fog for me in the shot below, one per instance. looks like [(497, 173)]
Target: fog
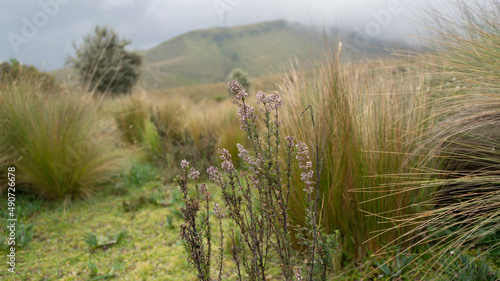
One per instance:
[(42, 32)]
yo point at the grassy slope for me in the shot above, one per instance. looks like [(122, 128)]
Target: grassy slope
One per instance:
[(152, 251), (216, 90), (206, 56)]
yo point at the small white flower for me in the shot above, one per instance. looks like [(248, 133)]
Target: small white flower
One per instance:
[(194, 174)]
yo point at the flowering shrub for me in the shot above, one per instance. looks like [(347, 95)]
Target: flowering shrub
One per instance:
[(257, 201)]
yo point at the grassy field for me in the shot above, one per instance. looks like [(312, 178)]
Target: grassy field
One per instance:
[(151, 249), (403, 158), (137, 204)]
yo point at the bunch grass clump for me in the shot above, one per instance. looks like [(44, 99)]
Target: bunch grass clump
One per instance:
[(132, 116), (169, 129), (219, 119), (60, 144), (193, 131), (463, 159), (369, 119)]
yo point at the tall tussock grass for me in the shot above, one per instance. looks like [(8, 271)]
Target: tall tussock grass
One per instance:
[(368, 119), (59, 143), (220, 120), (169, 116), (173, 127), (465, 185), (132, 115)]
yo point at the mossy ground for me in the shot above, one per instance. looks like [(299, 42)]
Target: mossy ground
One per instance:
[(139, 204), (152, 249)]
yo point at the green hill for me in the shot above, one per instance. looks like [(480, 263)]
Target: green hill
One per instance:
[(206, 56)]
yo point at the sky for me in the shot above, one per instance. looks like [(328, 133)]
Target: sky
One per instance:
[(42, 33)]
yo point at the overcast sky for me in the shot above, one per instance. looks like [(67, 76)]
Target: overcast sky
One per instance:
[(42, 32)]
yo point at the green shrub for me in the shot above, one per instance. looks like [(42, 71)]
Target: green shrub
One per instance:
[(12, 72), (141, 174), (98, 241), (177, 138), (466, 268), (23, 234), (241, 77), (95, 274), (103, 63)]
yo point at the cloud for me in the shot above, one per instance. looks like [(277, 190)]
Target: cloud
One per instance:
[(114, 4), (150, 22)]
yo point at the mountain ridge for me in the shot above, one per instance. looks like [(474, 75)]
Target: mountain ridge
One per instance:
[(208, 55)]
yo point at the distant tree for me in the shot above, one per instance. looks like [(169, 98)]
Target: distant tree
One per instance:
[(103, 63), (240, 76), (15, 72)]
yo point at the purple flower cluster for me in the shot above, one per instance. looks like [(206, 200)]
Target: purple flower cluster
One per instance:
[(305, 164), (213, 174), (244, 154), (227, 163), (237, 90), (184, 164), (228, 167), (246, 113), (218, 212), (224, 154), (290, 141), (271, 102), (204, 190), (193, 174)]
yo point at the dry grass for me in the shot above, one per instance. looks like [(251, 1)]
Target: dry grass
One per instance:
[(464, 185), (213, 91), (60, 144), (368, 118)]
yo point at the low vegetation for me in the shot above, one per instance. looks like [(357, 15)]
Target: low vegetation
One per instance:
[(257, 202), (369, 118), (391, 174), (59, 142)]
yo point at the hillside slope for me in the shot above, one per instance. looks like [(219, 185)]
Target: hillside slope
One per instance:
[(206, 56)]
